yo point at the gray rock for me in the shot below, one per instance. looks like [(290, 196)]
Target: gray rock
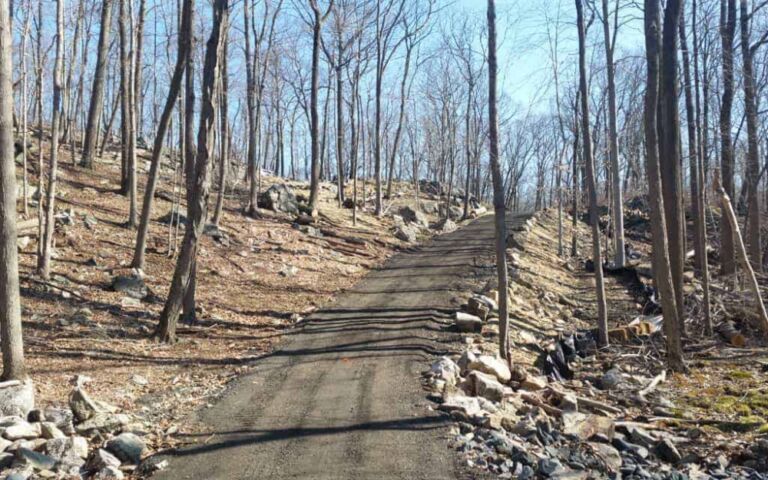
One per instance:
[(22, 431), (279, 198), (446, 225), (465, 360), (4, 444), (608, 455), (103, 422), (466, 322), (81, 404), (492, 366), (49, 430), (667, 451), (549, 466), (109, 473), (17, 398), (611, 379), (6, 460), (101, 459), (584, 427), (411, 215), (68, 451), (486, 386), (128, 447), (406, 233), (130, 285), (61, 418), (36, 460)]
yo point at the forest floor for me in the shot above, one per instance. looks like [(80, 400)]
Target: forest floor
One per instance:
[(253, 287)]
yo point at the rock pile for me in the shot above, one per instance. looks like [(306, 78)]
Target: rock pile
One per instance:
[(515, 422), (86, 439)]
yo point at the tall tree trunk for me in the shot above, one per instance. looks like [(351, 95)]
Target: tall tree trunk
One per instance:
[(661, 262), (314, 184), (727, 33), (669, 153), (613, 142), (50, 196), (340, 129), (224, 135), (97, 93), (499, 206), (184, 46), (753, 151), (10, 304), (138, 71), (198, 208), (602, 309)]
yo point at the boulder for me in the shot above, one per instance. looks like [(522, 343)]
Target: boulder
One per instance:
[(49, 430), (102, 422), (534, 383), (411, 215), (667, 451), (128, 447), (469, 406), (608, 456), (6, 460), (35, 459), (486, 386), (109, 473), (446, 226), (131, 285), (101, 459), (81, 404), (69, 451), (279, 198), (22, 431), (493, 366), (466, 359), (466, 322), (172, 218), (16, 398), (446, 370), (61, 418), (406, 233), (584, 427)]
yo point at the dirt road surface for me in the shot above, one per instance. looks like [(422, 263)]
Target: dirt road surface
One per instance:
[(341, 398)]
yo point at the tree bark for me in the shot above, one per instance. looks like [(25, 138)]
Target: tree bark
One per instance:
[(669, 153), (50, 196), (727, 33), (10, 304), (184, 46), (660, 257), (753, 151), (97, 93), (185, 266), (498, 187), (602, 309)]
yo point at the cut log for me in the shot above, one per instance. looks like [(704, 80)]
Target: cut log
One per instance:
[(728, 331)]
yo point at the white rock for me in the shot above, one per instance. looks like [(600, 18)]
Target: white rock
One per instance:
[(486, 386), (445, 369), (22, 431), (492, 366), (17, 398)]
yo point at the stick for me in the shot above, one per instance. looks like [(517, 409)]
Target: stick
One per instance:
[(654, 383), (742, 252)]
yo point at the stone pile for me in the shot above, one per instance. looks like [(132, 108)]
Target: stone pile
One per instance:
[(87, 439)]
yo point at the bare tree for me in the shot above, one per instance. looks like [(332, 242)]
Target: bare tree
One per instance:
[(185, 43), (166, 330), (317, 25), (10, 305), (727, 33), (498, 188), (97, 93), (597, 259), (660, 257), (44, 265)]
